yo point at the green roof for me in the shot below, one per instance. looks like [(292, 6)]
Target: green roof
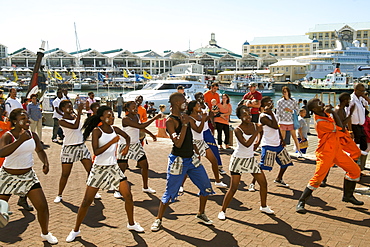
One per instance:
[(272, 54), (112, 51), (214, 54), (81, 51), (138, 52), (52, 50), (235, 55), (17, 51), (252, 54)]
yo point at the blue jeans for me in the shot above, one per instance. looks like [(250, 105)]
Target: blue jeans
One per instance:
[(119, 110)]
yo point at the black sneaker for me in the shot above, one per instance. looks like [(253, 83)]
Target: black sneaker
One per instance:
[(281, 182), (204, 219), (222, 171)]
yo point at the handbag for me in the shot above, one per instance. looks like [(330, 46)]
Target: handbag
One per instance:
[(295, 120)]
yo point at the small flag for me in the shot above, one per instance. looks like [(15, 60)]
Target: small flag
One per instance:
[(50, 76), (57, 76), (100, 76), (15, 76), (125, 73), (146, 75), (74, 75)]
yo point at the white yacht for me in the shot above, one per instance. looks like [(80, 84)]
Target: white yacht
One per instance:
[(349, 55), (159, 91)]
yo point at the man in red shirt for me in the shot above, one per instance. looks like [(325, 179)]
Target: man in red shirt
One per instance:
[(255, 97), (212, 94)]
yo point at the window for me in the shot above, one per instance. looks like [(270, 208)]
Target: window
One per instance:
[(307, 45), (365, 34), (276, 50), (358, 34), (288, 54), (282, 50), (263, 50), (294, 46), (307, 53), (270, 46), (320, 35), (326, 35), (252, 47), (288, 46), (300, 46), (314, 36), (286, 69)]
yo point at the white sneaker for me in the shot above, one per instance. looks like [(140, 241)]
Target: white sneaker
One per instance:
[(117, 194), (251, 188), (72, 235), (149, 190), (50, 238), (266, 210), (222, 215), (220, 184), (97, 196), (58, 199), (136, 227), (181, 190)]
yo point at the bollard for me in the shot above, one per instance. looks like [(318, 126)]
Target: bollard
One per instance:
[(4, 217)]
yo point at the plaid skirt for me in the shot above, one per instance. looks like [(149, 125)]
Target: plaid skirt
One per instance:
[(202, 147), (135, 152), (17, 184), (105, 177), (74, 153), (244, 165)]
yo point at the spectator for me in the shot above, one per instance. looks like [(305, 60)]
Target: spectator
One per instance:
[(119, 105), (58, 114), (151, 110), (89, 101), (303, 129), (222, 122), (307, 117), (161, 123), (35, 116), (255, 101), (12, 102)]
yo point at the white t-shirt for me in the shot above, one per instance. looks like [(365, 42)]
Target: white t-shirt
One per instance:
[(358, 116), (11, 104), (56, 103)]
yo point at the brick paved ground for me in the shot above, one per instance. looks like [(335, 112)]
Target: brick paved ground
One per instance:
[(329, 222)]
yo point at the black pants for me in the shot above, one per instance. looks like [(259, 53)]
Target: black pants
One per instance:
[(225, 128), (360, 136)]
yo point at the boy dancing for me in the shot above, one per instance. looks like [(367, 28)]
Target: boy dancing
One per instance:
[(182, 161)]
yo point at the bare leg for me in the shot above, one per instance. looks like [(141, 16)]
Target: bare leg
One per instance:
[(82, 211), (283, 133), (38, 200), (144, 172), (261, 179), (211, 157), (66, 171), (87, 163), (235, 179), (162, 208), (281, 173), (296, 142), (253, 180), (124, 189), (123, 166), (202, 204)]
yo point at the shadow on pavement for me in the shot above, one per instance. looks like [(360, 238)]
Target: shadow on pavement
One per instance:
[(294, 236), (139, 240), (220, 238), (10, 233), (93, 216), (365, 222), (152, 206), (84, 242)]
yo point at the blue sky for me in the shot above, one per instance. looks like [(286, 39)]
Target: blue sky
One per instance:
[(163, 24)]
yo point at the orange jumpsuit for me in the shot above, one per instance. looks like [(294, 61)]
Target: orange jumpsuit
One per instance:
[(349, 145), (4, 127), (329, 152)]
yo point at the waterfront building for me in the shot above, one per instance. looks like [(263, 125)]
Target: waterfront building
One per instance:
[(3, 54), (327, 33)]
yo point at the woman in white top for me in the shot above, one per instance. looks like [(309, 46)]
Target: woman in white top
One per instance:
[(197, 122), (89, 101), (17, 175), (284, 112), (105, 173), (243, 161), (74, 148), (132, 126)]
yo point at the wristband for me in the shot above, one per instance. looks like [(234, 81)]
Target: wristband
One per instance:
[(186, 125)]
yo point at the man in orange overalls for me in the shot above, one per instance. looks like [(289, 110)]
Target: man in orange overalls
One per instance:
[(346, 137), (328, 152)]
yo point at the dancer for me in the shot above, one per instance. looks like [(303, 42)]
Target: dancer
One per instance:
[(243, 161), (207, 134), (272, 142), (17, 176), (105, 173), (330, 151), (182, 161), (74, 148), (132, 126), (197, 121)]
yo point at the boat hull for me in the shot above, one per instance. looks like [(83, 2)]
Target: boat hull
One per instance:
[(241, 92)]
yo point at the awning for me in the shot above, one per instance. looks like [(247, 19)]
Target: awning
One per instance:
[(278, 74)]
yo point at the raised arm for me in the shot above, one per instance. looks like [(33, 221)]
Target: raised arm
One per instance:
[(126, 121), (41, 153), (171, 126)]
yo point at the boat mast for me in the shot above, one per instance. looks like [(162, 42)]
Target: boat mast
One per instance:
[(78, 54)]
